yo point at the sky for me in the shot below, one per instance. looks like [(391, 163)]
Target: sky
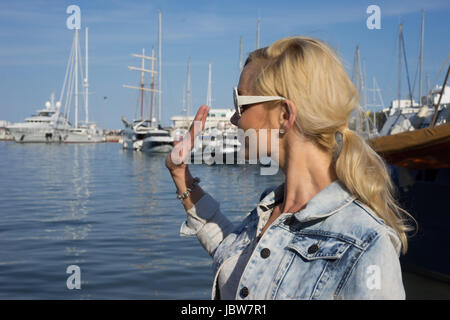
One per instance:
[(35, 44)]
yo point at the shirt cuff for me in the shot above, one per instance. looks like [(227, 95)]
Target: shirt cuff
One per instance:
[(197, 216)]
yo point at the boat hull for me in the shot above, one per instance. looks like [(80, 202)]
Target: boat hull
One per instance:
[(83, 138), (38, 136), (131, 144), (424, 194), (156, 146), (420, 168), (427, 148)]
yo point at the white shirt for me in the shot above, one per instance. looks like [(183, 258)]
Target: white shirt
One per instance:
[(231, 272), (232, 269)]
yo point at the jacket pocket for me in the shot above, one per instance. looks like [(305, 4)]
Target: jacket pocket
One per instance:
[(315, 247), (316, 264)]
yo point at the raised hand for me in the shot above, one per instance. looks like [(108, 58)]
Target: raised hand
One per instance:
[(177, 159)]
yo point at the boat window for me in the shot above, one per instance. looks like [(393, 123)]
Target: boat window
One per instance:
[(159, 134)]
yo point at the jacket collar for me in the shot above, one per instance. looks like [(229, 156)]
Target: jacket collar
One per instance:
[(328, 201)]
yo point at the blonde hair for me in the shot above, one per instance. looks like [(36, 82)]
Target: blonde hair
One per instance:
[(310, 74)]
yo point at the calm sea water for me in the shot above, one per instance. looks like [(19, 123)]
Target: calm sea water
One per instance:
[(111, 212)]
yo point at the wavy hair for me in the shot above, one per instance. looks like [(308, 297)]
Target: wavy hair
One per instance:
[(310, 74)]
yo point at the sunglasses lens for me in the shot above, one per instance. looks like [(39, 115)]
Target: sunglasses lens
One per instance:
[(236, 105)]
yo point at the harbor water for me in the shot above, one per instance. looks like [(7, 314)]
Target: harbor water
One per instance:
[(112, 213)]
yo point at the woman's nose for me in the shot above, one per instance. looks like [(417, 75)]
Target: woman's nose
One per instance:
[(235, 119)]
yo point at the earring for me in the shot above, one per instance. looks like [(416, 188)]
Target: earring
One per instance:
[(282, 131)]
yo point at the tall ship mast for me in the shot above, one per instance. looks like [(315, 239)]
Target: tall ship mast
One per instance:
[(143, 134), (142, 87)]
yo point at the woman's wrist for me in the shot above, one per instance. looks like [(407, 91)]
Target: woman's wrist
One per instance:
[(189, 188), (179, 179), (183, 179), (188, 191), (194, 196)]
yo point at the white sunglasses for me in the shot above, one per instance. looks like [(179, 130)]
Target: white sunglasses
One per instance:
[(240, 101)]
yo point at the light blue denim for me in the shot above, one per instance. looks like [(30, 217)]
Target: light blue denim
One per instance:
[(335, 248)]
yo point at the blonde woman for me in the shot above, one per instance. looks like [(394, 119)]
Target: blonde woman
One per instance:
[(332, 230)]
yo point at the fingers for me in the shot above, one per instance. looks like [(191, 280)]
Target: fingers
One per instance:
[(200, 117), (182, 151), (176, 155), (197, 125)]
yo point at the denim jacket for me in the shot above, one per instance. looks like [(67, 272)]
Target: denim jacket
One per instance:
[(334, 248)]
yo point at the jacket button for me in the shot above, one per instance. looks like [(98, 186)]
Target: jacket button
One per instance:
[(313, 249), (265, 253), (288, 221), (244, 292)]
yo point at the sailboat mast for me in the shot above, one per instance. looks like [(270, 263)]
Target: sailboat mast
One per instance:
[(183, 101), (188, 97), (86, 83), (421, 57), (209, 93), (258, 33), (374, 108), (76, 78), (142, 83), (357, 77), (399, 63), (159, 66), (363, 82), (152, 86), (240, 55)]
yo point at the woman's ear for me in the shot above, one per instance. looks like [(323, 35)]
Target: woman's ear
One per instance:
[(287, 115)]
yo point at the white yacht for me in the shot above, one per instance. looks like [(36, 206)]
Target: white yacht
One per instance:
[(141, 135), (135, 133), (403, 116), (85, 133), (157, 140), (48, 125)]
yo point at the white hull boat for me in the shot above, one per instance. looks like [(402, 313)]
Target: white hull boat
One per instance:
[(85, 134), (47, 126), (157, 141)]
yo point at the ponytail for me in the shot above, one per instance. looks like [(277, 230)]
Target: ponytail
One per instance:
[(366, 176)]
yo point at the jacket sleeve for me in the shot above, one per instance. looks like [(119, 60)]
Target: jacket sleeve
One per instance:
[(376, 274), (206, 221)]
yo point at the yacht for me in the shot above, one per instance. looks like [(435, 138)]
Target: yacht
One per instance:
[(48, 125), (157, 140), (141, 135), (85, 133), (402, 117), (135, 133)]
